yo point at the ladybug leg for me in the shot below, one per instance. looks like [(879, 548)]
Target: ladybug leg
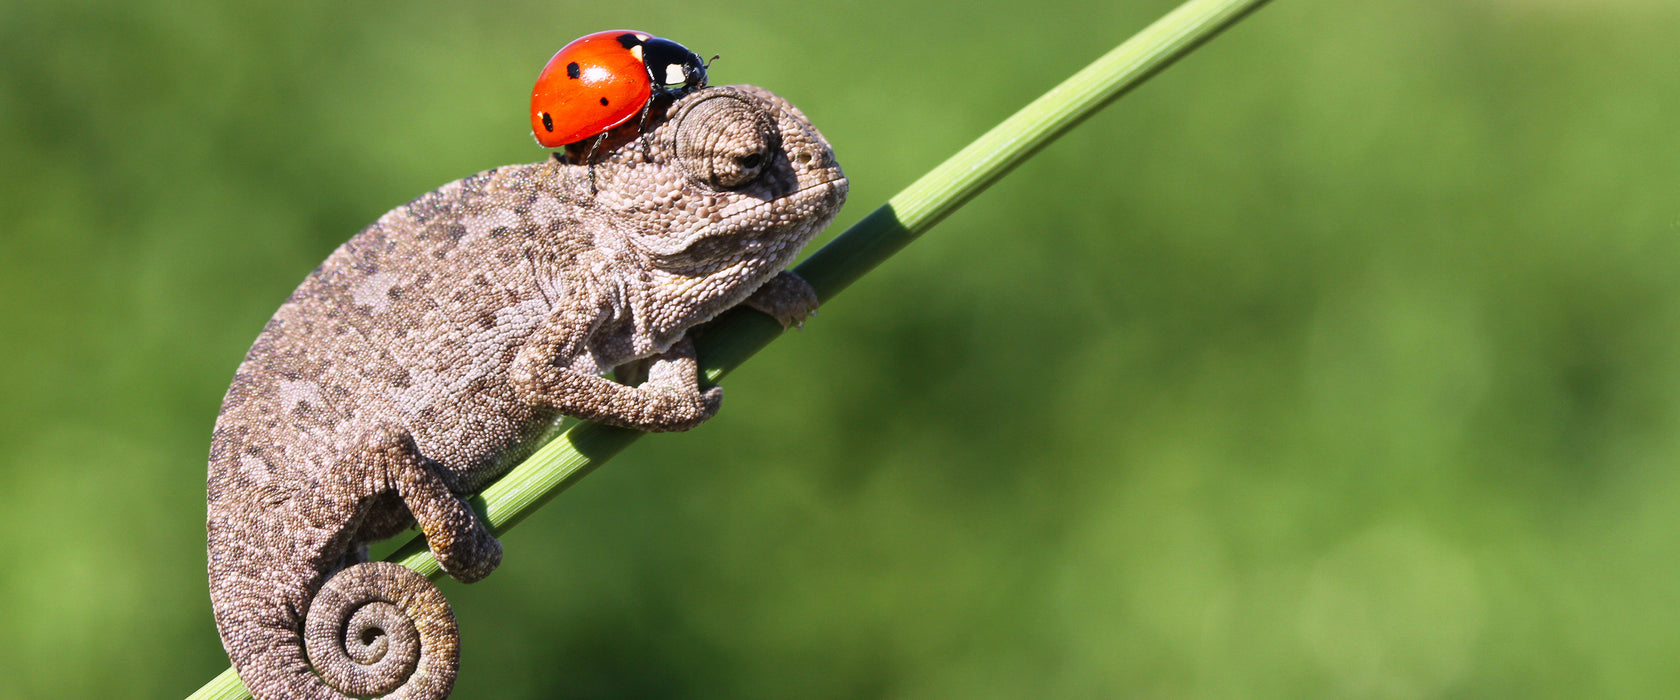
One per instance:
[(590, 159), (641, 130)]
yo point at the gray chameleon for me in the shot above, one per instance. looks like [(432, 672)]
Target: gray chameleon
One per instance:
[(434, 349)]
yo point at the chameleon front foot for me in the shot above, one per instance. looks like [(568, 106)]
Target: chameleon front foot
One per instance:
[(787, 297)]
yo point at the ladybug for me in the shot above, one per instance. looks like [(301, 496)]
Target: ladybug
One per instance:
[(601, 80)]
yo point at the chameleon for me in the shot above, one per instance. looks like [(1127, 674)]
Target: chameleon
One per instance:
[(441, 344)]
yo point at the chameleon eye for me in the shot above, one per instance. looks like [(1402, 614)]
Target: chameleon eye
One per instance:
[(724, 142)]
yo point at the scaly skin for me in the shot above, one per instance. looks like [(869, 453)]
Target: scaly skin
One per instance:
[(437, 347)]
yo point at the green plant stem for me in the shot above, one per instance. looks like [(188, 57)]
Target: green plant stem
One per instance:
[(735, 336)]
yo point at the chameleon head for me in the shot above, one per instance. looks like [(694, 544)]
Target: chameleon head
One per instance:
[(736, 173)]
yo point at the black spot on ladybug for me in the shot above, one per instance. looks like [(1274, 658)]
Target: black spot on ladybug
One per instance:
[(628, 40), (603, 102), (548, 121), (572, 70)]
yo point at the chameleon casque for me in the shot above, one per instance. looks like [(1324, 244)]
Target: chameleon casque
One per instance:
[(438, 346)]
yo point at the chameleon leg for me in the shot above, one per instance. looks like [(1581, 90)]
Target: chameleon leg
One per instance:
[(670, 399), (459, 539)]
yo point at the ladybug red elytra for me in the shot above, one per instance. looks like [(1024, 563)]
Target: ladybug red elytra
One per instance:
[(601, 80)]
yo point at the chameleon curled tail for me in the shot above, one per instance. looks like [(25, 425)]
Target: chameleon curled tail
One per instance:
[(375, 629), (300, 613)]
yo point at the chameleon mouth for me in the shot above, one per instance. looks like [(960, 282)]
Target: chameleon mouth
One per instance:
[(825, 199), (757, 231), (834, 189)]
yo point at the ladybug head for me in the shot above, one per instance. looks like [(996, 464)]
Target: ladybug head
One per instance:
[(672, 67)]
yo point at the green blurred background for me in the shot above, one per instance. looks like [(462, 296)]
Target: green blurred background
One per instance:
[(1342, 359)]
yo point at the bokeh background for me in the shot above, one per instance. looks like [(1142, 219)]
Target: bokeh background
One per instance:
[(1342, 359)]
